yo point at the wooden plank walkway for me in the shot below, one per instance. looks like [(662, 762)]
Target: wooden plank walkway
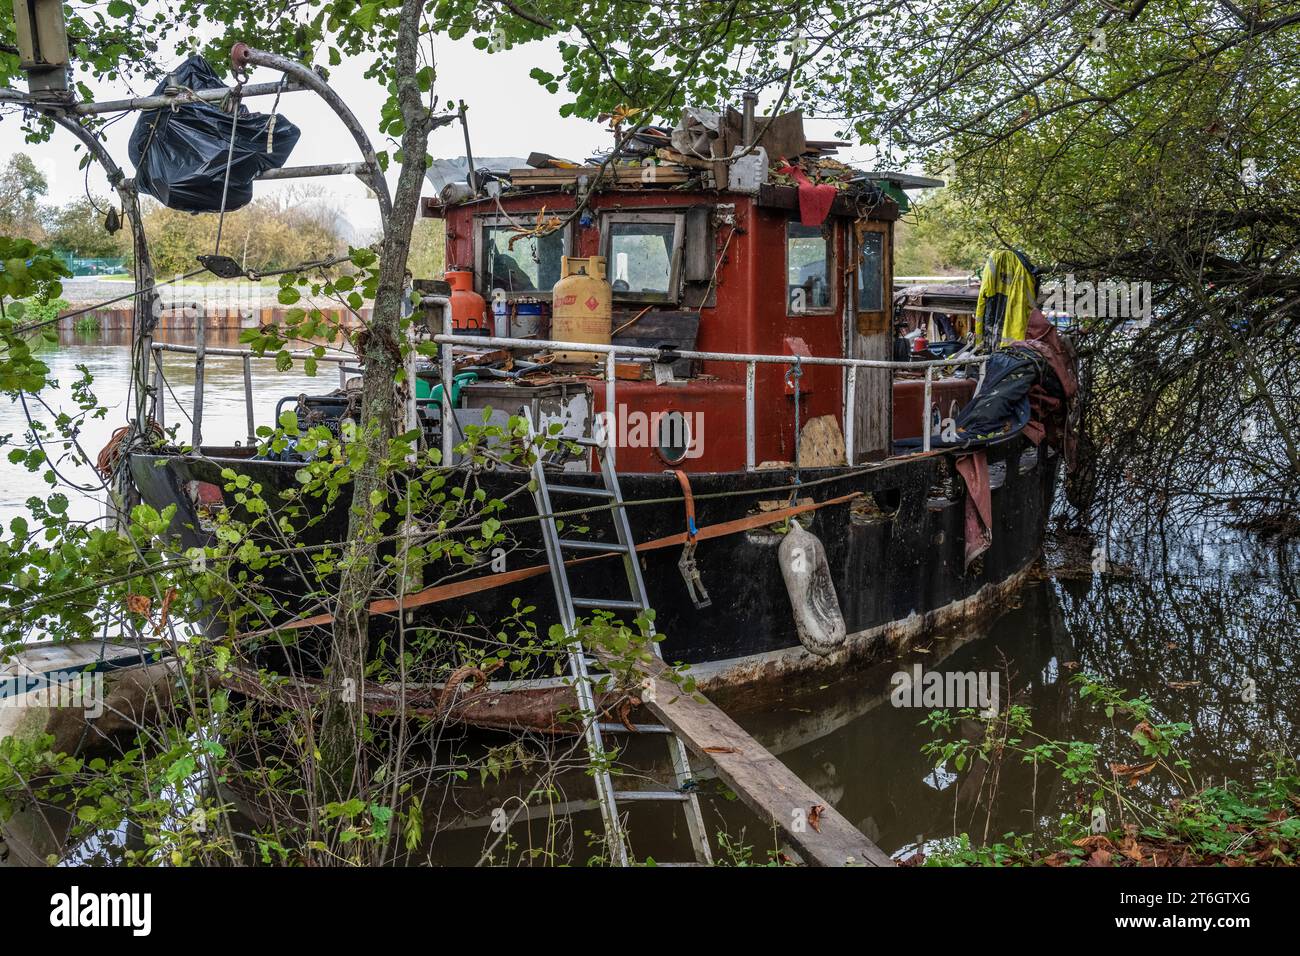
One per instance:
[(814, 828)]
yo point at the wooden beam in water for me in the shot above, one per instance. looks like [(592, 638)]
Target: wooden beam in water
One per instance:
[(815, 829)]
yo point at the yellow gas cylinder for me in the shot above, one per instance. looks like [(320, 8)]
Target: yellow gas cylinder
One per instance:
[(581, 307)]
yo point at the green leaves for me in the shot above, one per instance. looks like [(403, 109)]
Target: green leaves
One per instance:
[(365, 15), (27, 271), (181, 770)]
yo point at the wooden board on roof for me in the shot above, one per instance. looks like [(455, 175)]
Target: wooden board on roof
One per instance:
[(661, 175)]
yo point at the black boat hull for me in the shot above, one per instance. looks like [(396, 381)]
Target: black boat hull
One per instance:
[(896, 550)]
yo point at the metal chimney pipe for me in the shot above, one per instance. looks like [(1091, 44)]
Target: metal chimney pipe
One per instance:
[(747, 126)]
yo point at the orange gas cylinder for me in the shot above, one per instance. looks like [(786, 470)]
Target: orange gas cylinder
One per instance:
[(468, 310), (581, 307)]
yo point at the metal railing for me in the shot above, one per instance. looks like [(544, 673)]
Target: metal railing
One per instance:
[(611, 352), (348, 364), (200, 353)]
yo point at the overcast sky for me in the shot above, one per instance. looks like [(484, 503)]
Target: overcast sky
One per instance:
[(509, 115)]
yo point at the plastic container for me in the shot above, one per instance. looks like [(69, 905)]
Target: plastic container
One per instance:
[(501, 317), (528, 322)]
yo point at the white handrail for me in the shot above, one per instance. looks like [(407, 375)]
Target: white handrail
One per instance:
[(496, 342), (611, 379), (220, 350), (750, 360)]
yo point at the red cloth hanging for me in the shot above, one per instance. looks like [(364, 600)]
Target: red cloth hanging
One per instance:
[(814, 199), (974, 470)]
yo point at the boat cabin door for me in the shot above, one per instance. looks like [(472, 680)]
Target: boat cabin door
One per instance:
[(869, 335)]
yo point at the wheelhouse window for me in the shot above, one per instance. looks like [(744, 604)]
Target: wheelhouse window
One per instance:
[(643, 254), (519, 264), (871, 272), (808, 269)]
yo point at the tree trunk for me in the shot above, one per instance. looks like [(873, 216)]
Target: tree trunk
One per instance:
[(381, 420)]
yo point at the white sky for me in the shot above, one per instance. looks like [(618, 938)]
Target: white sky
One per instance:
[(510, 114)]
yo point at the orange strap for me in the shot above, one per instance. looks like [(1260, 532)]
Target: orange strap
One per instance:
[(685, 482), (446, 592)]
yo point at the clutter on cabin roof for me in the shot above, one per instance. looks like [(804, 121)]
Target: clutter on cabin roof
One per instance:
[(731, 151)]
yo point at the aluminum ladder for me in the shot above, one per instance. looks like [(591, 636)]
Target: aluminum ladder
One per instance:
[(594, 729)]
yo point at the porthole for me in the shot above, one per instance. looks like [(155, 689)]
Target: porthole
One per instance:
[(673, 437)]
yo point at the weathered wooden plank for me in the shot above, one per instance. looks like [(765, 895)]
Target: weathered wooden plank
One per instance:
[(700, 252), (816, 830), (873, 419), (622, 174)]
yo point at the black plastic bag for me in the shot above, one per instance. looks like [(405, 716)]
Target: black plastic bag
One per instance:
[(180, 154)]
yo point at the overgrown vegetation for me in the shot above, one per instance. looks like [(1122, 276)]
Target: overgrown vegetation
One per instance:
[(1139, 801), (938, 237), (270, 233)]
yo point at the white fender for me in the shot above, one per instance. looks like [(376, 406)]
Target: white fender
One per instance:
[(807, 576)]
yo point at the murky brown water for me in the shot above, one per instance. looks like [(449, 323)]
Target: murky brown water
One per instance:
[(1191, 623)]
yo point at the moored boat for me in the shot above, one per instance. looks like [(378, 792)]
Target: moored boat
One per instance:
[(744, 378)]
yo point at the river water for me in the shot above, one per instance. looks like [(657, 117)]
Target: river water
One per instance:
[(1205, 625), (107, 356)]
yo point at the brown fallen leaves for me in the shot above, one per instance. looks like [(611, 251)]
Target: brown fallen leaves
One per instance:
[(168, 598), (1144, 731), (1100, 850), (1134, 849), (142, 605), (1133, 771)]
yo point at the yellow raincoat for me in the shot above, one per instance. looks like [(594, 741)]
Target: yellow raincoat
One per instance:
[(1006, 275)]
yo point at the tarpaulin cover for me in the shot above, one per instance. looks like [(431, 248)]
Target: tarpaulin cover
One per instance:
[(180, 154), (1028, 386), (998, 410), (814, 199)]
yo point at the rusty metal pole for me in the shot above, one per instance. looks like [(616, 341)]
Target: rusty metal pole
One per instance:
[(469, 151), (243, 56), (200, 361)]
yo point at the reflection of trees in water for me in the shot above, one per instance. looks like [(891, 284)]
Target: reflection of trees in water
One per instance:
[(1209, 615)]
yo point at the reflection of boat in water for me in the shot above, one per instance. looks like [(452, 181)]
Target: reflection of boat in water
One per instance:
[(772, 403), (847, 741)]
